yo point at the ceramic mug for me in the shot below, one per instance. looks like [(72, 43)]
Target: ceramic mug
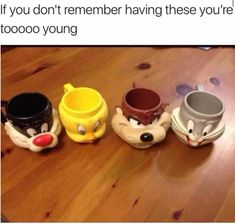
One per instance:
[(201, 107), (141, 120), (31, 122), (83, 112), (200, 116)]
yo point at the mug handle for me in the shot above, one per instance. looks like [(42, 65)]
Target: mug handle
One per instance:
[(3, 116), (68, 87), (199, 87)]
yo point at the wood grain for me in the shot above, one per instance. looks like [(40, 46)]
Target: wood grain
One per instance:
[(110, 180)]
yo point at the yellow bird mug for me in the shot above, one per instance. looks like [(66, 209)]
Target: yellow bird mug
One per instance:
[(83, 113)]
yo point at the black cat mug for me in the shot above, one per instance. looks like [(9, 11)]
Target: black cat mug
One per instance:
[(31, 122)]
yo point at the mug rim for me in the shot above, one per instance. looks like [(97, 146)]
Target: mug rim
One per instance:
[(141, 110), (82, 111), (188, 107), (10, 116)]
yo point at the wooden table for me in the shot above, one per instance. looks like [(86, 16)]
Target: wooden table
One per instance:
[(110, 180)]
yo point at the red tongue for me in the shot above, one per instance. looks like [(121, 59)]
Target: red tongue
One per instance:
[(43, 140)]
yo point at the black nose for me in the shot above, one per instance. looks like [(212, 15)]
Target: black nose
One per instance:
[(146, 137)]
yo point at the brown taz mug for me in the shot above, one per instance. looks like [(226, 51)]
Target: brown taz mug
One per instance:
[(141, 120), (142, 104)]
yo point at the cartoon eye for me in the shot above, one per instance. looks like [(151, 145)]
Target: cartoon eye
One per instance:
[(81, 130), (135, 124), (190, 126), (96, 126), (207, 129), (32, 132), (44, 127)]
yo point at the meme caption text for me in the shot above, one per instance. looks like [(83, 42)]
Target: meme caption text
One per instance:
[(74, 14)]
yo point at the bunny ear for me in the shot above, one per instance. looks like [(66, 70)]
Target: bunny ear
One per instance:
[(164, 106), (119, 110)]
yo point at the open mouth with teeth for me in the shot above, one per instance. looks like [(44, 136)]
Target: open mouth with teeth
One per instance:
[(192, 142)]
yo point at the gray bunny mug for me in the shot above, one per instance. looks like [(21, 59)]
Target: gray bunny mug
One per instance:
[(200, 116)]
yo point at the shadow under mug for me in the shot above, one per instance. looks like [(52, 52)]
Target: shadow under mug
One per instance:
[(30, 121), (144, 105), (198, 108)]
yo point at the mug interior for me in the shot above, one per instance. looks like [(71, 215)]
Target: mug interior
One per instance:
[(82, 99), (27, 105), (205, 103), (142, 99)]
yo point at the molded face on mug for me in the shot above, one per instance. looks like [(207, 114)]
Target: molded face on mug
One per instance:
[(86, 129), (197, 132), (34, 140), (137, 134), (199, 115), (199, 127), (83, 113)]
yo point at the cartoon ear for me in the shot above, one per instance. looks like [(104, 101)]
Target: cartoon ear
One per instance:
[(165, 120), (119, 110), (164, 106)]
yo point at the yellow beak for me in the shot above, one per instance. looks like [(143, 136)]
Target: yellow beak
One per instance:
[(90, 136)]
